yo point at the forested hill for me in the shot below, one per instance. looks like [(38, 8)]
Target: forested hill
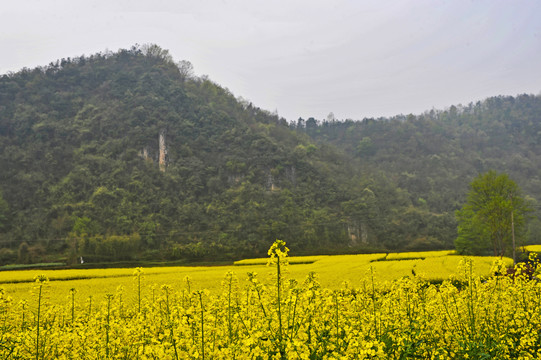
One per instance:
[(434, 156), (127, 156)]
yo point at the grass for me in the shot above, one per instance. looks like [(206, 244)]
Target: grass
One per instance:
[(31, 266)]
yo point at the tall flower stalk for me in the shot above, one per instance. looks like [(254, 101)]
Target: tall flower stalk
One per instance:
[(138, 275), (40, 282), (278, 256)]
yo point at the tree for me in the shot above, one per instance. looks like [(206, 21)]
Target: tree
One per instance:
[(3, 213), (186, 69), (471, 238), (365, 147), (24, 253), (155, 51), (493, 213)]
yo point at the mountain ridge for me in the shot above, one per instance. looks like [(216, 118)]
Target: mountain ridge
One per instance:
[(80, 142)]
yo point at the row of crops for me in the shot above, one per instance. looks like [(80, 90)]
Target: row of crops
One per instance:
[(279, 317)]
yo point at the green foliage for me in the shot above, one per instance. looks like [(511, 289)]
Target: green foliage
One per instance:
[(79, 142), (494, 209), (471, 238), (80, 176), (24, 253), (3, 213), (365, 147), (433, 156)]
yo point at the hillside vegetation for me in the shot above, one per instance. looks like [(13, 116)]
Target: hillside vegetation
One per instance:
[(435, 155), (83, 174)]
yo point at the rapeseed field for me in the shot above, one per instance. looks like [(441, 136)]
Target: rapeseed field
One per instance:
[(332, 271), (533, 248), (272, 312)]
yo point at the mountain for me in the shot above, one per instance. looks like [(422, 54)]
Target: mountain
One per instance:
[(129, 156), (434, 156)]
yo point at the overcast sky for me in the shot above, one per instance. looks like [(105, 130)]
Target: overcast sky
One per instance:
[(304, 58)]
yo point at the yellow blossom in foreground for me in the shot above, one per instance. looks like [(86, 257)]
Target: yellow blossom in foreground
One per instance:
[(255, 317)]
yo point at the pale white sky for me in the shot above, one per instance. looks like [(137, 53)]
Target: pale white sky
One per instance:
[(304, 58)]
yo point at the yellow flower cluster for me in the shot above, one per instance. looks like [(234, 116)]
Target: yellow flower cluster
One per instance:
[(418, 255), (466, 317), (333, 270), (533, 248), (291, 260)]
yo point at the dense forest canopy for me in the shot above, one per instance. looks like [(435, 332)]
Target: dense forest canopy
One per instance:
[(435, 155), (128, 155)]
